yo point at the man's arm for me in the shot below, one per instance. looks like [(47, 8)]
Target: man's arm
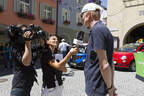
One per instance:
[(105, 68), (27, 56), (107, 72)]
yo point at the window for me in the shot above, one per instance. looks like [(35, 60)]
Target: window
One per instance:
[(24, 6), (47, 12), (66, 15), (116, 43), (3, 5), (79, 1), (78, 19)]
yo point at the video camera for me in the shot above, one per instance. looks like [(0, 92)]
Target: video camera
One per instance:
[(15, 33)]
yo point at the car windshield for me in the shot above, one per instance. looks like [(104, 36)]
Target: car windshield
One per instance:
[(82, 50), (129, 47)]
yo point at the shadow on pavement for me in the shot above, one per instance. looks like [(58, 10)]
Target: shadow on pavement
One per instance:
[(122, 70), (8, 70), (5, 71)]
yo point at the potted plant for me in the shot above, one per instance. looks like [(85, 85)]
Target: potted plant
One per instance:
[(30, 16), (79, 23), (66, 22), (48, 21), (22, 14), (25, 15)]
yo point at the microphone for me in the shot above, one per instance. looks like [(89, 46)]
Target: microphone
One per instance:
[(79, 39)]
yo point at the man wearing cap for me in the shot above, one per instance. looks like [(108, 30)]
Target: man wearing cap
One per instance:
[(99, 70), (63, 46)]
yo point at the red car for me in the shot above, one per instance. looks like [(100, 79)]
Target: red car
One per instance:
[(124, 57)]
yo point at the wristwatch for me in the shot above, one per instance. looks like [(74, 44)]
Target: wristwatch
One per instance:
[(109, 87)]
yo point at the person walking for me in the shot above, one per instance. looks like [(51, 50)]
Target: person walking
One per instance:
[(52, 69), (98, 70), (63, 46)]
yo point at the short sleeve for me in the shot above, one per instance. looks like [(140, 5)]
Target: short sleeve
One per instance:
[(17, 54), (46, 56), (98, 38)]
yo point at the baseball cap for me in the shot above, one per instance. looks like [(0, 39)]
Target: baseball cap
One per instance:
[(90, 7)]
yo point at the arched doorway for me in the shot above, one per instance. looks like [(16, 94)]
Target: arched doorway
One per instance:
[(134, 34)]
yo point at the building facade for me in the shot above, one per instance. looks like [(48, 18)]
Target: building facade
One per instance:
[(126, 20), (38, 12), (69, 21)]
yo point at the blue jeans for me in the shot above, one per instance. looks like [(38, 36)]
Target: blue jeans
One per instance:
[(20, 92)]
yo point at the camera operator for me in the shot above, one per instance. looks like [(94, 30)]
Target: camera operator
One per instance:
[(24, 72)]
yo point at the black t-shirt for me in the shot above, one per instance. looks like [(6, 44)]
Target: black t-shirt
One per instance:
[(100, 38), (24, 76), (50, 74), (1, 50)]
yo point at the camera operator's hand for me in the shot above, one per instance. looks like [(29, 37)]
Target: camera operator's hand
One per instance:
[(73, 51), (28, 35)]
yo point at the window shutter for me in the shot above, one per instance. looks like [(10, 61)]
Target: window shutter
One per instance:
[(5, 4), (54, 14), (76, 17), (41, 10), (15, 5), (68, 15), (62, 14), (1, 3), (33, 9), (51, 11), (18, 5)]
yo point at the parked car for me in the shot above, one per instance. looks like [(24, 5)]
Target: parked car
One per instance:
[(78, 60), (124, 57)]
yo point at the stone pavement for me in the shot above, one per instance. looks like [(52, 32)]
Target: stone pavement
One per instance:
[(74, 85)]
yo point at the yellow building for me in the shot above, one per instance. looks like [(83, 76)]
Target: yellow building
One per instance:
[(126, 20)]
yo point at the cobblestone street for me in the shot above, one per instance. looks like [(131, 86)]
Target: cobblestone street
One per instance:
[(125, 82)]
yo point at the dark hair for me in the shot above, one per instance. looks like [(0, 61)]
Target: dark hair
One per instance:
[(50, 35), (47, 38)]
